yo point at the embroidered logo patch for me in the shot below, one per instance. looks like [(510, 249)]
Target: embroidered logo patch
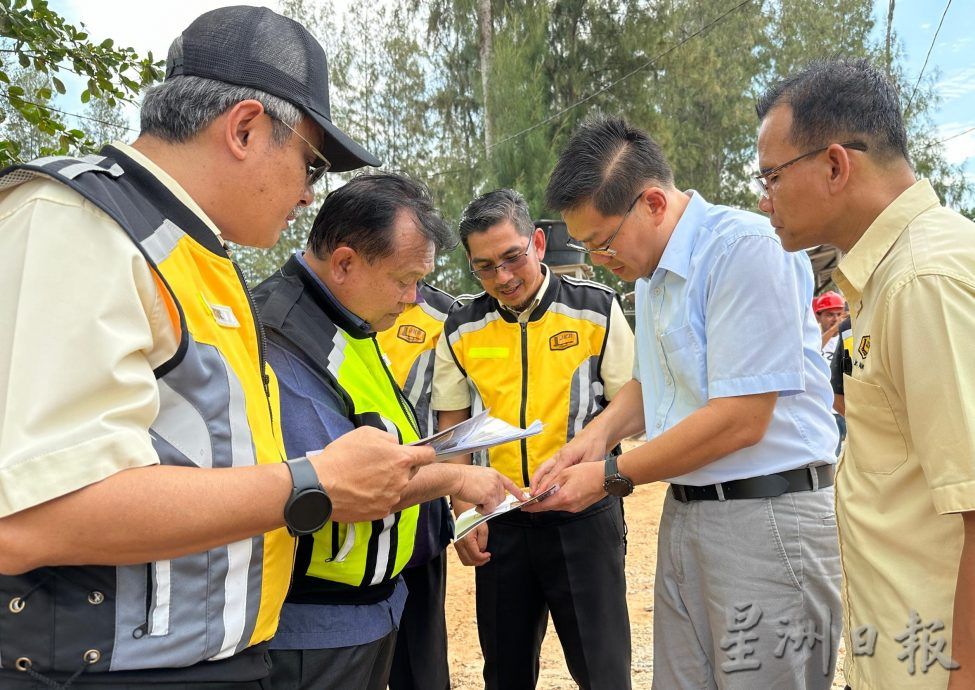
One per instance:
[(411, 334), (864, 347), (563, 340)]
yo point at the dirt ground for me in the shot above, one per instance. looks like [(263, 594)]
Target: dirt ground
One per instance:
[(643, 510)]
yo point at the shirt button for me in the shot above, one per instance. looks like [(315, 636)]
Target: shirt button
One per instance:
[(658, 424), (656, 291), (669, 381)]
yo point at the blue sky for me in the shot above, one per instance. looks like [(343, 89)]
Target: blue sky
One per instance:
[(151, 26)]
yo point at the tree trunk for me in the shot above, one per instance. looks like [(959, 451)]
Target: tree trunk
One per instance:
[(486, 53), (890, 32)]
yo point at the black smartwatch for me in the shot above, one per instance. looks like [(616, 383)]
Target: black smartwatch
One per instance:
[(309, 507), (615, 484)]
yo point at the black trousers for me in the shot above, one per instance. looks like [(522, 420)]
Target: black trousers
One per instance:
[(361, 667), (420, 659), (570, 565)]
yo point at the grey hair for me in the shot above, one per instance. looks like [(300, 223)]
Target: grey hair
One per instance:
[(182, 106), (492, 208)]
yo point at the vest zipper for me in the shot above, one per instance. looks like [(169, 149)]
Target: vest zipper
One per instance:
[(261, 342), (524, 403)]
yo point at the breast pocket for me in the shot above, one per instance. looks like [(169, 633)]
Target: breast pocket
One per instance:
[(875, 441), (686, 362)]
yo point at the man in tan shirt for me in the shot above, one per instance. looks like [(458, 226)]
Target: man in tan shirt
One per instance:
[(835, 169)]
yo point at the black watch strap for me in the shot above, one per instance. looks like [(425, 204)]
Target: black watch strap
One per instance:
[(612, 468), (303, 474)]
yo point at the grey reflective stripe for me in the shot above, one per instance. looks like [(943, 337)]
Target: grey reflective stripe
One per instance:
[(417, 387), (183, 420), (255, 576), (465, 328), (585, 389), (585, 314), (161, 243), (337, 354), (235, 603), (432, 311), (182, 427), (161, 593), (242, 450), (198, 611), (383, 553), (72, 171)]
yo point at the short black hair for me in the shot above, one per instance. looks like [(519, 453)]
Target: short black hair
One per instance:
[(360, 214), (492, 208), (606, 163), (841, 100)]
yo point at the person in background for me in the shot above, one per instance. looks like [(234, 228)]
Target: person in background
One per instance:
[(420, 659), (829, 308), (538, 346)]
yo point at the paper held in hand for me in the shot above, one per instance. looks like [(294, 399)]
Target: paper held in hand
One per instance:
[(470, 519), (477, 433)]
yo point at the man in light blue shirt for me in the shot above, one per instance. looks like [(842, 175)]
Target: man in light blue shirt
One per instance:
[(747, 584)]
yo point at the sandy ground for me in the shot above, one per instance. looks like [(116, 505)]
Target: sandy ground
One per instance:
[(642, 515)]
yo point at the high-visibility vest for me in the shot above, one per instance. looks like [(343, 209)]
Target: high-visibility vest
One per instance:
[(217, 409), (547, 368), (342, 562)]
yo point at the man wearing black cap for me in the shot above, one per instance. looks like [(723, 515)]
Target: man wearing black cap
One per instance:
[(143, 493)]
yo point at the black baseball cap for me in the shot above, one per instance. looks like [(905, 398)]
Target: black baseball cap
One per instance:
[(259, 48)]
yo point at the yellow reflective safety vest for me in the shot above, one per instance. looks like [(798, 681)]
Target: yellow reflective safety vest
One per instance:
[(217, 409), (547, 368), (342, 563)]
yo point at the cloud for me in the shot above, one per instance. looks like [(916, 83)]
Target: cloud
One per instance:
[(958, 149), (957, 84)]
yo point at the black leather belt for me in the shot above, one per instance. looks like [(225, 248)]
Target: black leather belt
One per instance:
[(767, 486)]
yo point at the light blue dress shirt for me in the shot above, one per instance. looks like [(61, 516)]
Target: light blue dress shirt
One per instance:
[(727, 313)]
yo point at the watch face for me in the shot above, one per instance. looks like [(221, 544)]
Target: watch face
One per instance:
[(618, 485), (308, 511)]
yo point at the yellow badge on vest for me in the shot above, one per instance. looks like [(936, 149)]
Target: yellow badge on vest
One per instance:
[(864, 347), (411, 334), (563, 340)]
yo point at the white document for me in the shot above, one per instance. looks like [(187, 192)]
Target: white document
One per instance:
[(477, 433), (470, 519)]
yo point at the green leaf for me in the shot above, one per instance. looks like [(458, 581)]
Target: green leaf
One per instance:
[(15, 91), (85, 96), (58, 85), (24, 60), (44, 94), (107, 44)]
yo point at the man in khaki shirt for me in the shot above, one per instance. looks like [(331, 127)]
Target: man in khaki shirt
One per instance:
[(835, 170)]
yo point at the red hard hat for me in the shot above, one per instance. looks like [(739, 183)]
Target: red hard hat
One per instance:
[(828, 300)]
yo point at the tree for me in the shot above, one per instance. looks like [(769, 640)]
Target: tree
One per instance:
[(41, 40)]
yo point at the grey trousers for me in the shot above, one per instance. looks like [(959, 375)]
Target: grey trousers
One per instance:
[(747, 594)]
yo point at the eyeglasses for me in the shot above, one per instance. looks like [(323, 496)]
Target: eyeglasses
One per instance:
[(764, 182), (512, 264), (604, 250), (314, 172)]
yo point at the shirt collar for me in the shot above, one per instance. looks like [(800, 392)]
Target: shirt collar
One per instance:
[(525, 314), (861, 261), (676, 257), (167, 180), (360, 324)]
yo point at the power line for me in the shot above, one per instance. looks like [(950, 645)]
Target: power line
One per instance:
[(924, 66), (626, 76), (65, 112), (953, 136)]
